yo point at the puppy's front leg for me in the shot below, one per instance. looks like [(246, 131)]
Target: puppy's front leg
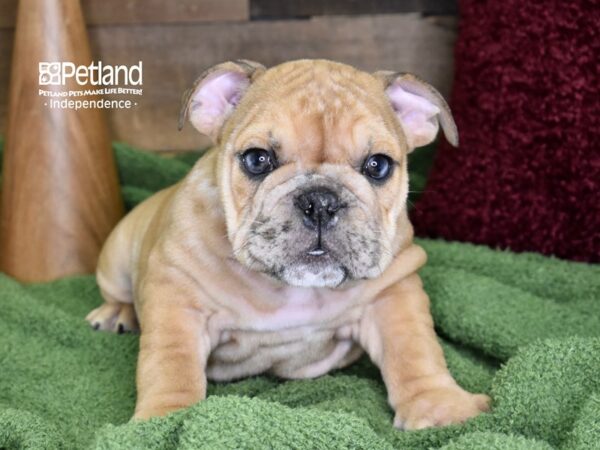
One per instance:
[(174, 348), (398, 334)]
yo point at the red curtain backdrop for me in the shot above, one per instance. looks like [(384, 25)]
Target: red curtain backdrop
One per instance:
[(526, 100)]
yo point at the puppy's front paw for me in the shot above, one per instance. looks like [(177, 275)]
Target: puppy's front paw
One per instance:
[(148, 410), (148, 413), (439, 407)]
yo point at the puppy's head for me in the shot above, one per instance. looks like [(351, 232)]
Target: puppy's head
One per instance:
[(313, 163)]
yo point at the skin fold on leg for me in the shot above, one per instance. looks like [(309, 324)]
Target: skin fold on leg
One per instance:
[(174, 348)]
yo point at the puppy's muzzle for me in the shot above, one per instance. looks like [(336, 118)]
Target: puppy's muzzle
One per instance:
[(319, 207)]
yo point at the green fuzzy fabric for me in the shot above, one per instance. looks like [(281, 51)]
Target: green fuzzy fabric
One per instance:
[(522, 327)]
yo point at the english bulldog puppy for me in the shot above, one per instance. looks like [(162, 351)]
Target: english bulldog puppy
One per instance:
[(287, 249)]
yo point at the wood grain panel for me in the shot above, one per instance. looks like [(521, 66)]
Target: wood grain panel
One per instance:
[(174, 55), (119, 12), (307, 8)]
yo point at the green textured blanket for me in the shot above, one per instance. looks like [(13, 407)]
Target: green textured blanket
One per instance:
[(524, 328)]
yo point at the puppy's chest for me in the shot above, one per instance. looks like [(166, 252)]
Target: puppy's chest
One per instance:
[(307, 335)]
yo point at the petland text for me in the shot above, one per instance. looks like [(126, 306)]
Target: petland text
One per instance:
[(96, 74)]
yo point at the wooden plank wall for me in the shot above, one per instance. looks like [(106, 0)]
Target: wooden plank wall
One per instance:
[(177, 40)]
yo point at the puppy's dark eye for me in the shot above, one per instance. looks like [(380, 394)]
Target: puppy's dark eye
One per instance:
[(258, 161), (378, 167)]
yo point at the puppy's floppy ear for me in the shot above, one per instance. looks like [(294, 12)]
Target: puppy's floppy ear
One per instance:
[(216, 93), (419, 108)]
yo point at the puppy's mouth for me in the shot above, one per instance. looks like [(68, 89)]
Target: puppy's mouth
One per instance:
[(316, 267), (311, 274)]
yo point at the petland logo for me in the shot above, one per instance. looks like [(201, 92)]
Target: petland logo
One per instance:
[(96, 74), (104, 78)]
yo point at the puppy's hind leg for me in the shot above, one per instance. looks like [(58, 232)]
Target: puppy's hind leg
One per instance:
[(114, 316), (117, 313)]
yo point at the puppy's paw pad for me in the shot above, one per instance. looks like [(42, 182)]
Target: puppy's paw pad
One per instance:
[(440, 407), (115, 317)]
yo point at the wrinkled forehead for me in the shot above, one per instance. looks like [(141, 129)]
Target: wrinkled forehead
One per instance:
[(314, 117)]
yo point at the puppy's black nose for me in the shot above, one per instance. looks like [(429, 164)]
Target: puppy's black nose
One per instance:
[(319, 207)]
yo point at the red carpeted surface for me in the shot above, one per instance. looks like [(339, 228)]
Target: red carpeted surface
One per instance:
[(526, 101)]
